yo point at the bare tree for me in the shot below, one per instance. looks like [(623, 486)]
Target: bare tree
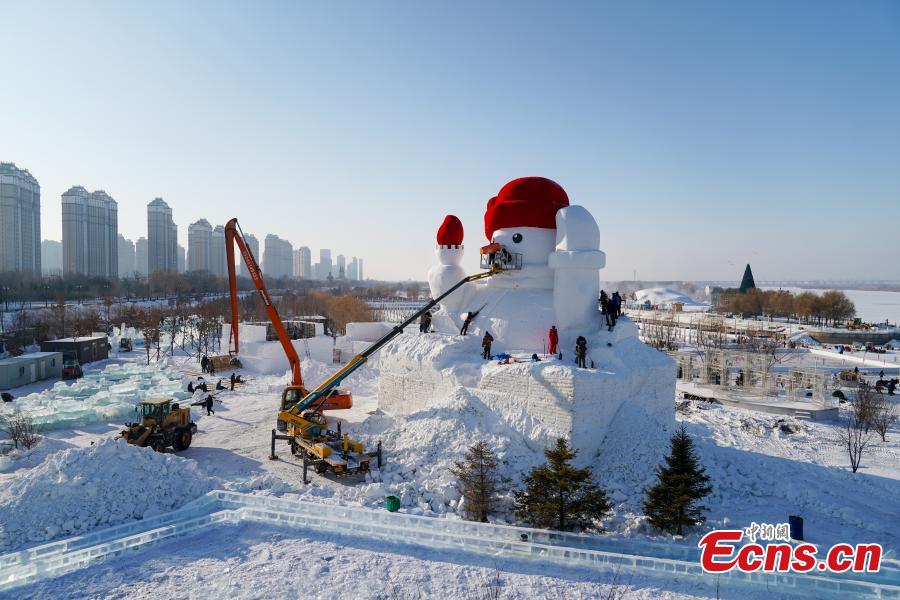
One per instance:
[(855, 433), (883, 415), (865, 403), (20, 429), (660, 332)]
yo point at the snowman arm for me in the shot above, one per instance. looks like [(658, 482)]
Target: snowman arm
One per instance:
[(576, 263), (578, 259)]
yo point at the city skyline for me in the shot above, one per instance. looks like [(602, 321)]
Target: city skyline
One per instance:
[(90, 242)]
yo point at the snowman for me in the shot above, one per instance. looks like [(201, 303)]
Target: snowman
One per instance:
[(549, 255)]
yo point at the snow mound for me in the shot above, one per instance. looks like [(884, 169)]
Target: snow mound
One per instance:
[(424, 445), (80, 489), (664, 297)]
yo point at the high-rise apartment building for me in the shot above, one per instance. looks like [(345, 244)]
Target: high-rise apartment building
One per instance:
[(181, 258), (359, 267), (217, 255), (323, 267), (142, 256), (162, 238), (126, 257), (341, 267), (199, 241), (20, 220), (90, 228), (303, 263), (278, 260), (253, 245), (51, 257), (353, 269)]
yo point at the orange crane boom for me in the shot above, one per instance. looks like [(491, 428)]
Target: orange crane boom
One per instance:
[(234, 234)]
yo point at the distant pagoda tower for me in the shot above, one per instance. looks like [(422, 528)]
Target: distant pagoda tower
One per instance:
[(747, 282)]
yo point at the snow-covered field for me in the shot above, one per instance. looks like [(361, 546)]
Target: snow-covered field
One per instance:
[(759, 473)]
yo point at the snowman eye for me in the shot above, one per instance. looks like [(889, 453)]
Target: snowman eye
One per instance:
[(517, 237)]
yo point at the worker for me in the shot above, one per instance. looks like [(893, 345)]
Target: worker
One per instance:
[(580, 352), (553, 336), (881, 374), (616, 305), (190, 387), (605, 308), (202, 385), (425, 322), (210, 368), (204, 363), (468, 321), (486, 344), (534, 358), (219, 385), (232, 379), (209, 405)]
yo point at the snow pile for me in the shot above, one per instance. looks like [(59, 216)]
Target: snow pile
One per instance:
[(421, 447), (77, 490), (100, 396), (665, 297)]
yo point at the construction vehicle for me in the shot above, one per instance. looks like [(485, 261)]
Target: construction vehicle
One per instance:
[(300, 419), (126, 345), (848, 375), (164, 424), (71, 368)]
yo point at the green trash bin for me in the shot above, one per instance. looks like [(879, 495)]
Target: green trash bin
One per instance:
[(392, 503)]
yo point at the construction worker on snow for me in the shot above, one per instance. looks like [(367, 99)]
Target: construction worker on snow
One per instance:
[(468, 321), (580, 352), (486, 344), (553, 337)]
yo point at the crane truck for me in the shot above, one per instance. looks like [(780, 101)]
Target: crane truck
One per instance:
[(300, 420)]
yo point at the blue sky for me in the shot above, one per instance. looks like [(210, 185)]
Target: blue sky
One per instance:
[(702, 135)]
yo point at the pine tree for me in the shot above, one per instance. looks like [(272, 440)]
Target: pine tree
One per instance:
[(559, 496), (478, 482), (747, 282), (671, 504)]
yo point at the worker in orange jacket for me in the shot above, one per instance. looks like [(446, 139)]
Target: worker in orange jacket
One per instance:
[(553, 335)]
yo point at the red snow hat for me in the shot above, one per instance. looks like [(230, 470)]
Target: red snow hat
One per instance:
[(525, 202), (450, 233)]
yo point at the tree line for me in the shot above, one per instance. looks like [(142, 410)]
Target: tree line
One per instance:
[(59, 319), (558, 495), (831, 307)]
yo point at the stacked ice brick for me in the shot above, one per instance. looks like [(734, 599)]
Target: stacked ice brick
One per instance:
[(100, 396)]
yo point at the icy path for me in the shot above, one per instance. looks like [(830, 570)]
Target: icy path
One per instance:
[(499, 541)]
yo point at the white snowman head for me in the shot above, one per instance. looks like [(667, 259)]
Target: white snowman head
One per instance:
[(534, 243), (522, 217)]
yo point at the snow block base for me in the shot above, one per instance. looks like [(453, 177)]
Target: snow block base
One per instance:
[(622, 411)]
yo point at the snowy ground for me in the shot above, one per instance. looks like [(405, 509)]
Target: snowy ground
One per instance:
[(759, 474)]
